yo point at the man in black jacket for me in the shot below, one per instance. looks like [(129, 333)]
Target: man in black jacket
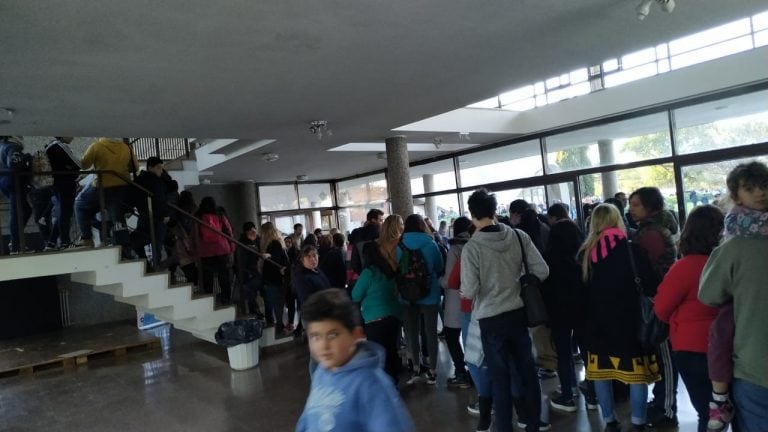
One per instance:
[(64, 189), (14, 160), (364, 234), (151, 180)]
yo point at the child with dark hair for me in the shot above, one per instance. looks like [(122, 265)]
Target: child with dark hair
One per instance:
[(734, 279), (350, 391), (676, 303)]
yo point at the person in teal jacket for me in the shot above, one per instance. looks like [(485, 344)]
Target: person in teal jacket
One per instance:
[(418, 236), (376, 292)]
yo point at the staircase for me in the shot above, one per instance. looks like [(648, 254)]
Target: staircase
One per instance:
[(128, 282)]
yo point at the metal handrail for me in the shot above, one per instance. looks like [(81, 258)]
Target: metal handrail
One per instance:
[(156, 251)]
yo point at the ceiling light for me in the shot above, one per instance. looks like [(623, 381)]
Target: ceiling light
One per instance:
[(438, 141), (270, 157), (644, 8), (463, 136), (381, 156), (301, 177), (319, 127)]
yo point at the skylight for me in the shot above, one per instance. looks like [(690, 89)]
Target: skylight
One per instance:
[(721, 41)]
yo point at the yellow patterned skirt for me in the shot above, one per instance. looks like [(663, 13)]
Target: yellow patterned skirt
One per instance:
[(629, 370)]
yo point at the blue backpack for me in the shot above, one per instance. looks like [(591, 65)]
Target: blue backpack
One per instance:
[(412, 275)]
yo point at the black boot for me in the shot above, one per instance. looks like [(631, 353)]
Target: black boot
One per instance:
[(484, 423)]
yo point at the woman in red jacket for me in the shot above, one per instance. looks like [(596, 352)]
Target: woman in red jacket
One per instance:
[(214, 249), (677, 303)]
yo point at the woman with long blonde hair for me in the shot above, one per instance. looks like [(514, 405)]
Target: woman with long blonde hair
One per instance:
[(376, 291), (273, 272), (613, 347)]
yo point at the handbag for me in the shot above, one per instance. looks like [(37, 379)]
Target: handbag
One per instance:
[(530, 292), (651, 331), (473, 348)]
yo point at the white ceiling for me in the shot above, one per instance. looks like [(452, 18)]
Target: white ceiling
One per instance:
[(264, 70)]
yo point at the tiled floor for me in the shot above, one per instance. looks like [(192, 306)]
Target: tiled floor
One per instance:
[(190, 387)]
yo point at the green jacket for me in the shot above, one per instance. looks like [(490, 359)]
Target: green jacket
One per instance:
[(738, 269), (377, 295)]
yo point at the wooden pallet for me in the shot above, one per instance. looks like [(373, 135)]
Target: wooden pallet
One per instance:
[(72, 347), (77, 358)]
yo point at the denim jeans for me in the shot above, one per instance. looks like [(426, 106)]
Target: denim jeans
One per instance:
[(751, 401), (695, 374), (479, 374), (63, 208), (276, 298), (7, 186), (254, 286), (508, 351), (638, 397), (412, 323), (566, 370), (42, 209), (87, 206)]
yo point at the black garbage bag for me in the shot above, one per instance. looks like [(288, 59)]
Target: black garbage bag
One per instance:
[(238, 332)]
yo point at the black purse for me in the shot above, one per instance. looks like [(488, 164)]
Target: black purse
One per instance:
[(530, 292), (651, 331)]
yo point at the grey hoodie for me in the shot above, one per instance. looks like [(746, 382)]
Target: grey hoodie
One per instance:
[(491, 265)]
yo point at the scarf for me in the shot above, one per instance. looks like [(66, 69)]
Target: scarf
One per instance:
[(609, 238), (745, 222)]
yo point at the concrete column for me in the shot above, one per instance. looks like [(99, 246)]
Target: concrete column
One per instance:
[(398, 177), (610, 179), (245, 196), (430, 206)]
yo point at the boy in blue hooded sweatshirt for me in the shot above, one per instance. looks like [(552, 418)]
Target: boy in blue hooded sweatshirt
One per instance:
[(350, 390)]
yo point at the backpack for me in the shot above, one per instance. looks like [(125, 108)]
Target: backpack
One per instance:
[(413, 275), (41, 164)]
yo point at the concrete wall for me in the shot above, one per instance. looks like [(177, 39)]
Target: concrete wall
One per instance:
[(231, 197), (88, 307)]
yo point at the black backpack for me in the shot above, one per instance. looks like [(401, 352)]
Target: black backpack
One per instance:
[(413, 275)]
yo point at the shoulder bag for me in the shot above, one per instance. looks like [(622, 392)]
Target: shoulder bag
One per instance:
[(651, 331), (530, 291)]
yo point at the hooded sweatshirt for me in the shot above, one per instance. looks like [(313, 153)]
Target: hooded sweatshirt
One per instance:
[(434, 259), (491, 266), (737, 271), (358, 396), (110, 155)]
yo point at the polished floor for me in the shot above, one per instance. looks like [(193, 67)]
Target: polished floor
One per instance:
[(188, 386)]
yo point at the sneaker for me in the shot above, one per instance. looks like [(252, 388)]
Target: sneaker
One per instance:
[(547, 373), (50, 247), (613, 426), (415, 379), (461, 380), (289, 327), (86, 243), (543, 426), (590, 402), (658, 418), (431, 378), (720, 414), (560, 402), (474, 409)]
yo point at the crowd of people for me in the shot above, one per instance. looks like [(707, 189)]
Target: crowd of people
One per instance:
[(704, 281), (395, 279)]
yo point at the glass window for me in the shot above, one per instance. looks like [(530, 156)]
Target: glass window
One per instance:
[(534, 195), (619, 142), (596, 187), (705, 184), (354, 217), (363, 190), (731, 122), (440, 174), (511, 162), (279, 197), (438, 208), (313, 195)]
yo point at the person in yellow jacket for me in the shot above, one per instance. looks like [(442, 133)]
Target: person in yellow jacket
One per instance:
[(114, 155)]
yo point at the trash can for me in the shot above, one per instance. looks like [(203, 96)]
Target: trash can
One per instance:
[(244, 356), (241, 337)]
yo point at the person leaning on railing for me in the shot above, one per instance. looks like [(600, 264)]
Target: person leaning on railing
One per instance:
[(13, 160), (106, 154)]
